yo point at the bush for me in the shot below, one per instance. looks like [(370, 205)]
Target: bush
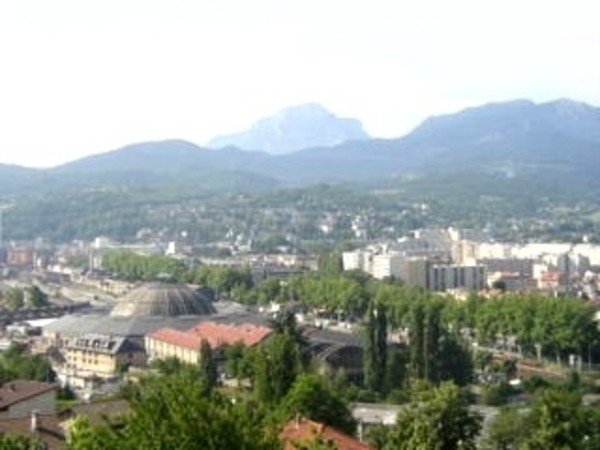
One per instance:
[(496, 394)]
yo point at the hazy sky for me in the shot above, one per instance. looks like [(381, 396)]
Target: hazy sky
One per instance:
[(80, 77)]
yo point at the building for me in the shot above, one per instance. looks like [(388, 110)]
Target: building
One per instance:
[(368, 414), (442, 277), (20, 256), (185, 345), (357, 260), (386, 265), (413, 271), (336, 351), (85, 347), (552, 281), (93, 356), (301, 433), (20, 397)]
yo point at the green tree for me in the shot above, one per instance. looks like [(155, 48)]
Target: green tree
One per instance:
[(168, 366), (330, 263), (15, 298), (238, 360), (454, 360), (276, 366), (396, 376), (440, 421), (36, 298), (18, 442), (483, 360), (83, 436), (417, 342), (376, 350), (507, 430), (312, 397), (559, 422), (270, 290), (208, 366), (174, 412), (425, 332), (15, 363)]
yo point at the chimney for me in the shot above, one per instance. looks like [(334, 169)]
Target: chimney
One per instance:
[(360, 430), (34, 420)]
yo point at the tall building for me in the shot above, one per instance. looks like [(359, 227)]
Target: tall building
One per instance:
[(386, 265), (414, 271), (441, 277), (357, 260)]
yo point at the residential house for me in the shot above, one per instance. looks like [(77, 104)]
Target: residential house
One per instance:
[(301, 433), (20, 397)]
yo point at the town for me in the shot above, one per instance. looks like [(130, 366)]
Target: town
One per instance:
[(104, 314)]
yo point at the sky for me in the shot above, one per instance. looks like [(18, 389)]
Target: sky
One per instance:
[(81, 77)]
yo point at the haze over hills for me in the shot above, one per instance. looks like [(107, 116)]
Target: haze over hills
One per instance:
[(557, 140), (293, 129)]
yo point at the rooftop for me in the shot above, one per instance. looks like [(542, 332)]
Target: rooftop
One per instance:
[(102, 343), (179, 338), (217, 334), (48, 429), (164, 299), (300, 431), (14, 392)]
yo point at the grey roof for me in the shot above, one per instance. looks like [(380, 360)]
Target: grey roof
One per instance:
[(328, 336), (119, 326), (164, 299), (102, 343), (138, 326)]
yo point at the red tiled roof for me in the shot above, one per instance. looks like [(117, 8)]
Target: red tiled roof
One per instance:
[(178, 338), (220, 334), (216, 334), (303, 430), (17, 391)]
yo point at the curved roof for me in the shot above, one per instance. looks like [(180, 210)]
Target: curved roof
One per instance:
[(162, 299)]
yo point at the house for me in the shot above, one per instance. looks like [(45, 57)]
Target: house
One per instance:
[(20, 397), (300, 432), (53, 429), (43, 427)]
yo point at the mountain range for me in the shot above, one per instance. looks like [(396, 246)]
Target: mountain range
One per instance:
[(558, 141)]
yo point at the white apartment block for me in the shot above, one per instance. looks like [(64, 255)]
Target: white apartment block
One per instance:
[(418, 271), (387, 265), (357, 260)]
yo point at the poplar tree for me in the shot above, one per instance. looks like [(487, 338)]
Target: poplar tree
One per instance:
[(375, 354), (208, 367)]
